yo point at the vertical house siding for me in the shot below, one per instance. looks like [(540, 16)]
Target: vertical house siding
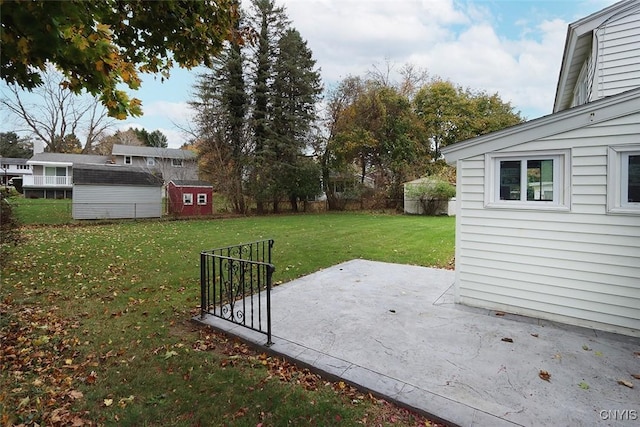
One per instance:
[(580, 266), (618, 60), (116, 201)]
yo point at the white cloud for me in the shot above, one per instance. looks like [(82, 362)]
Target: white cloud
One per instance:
[(465, 42)]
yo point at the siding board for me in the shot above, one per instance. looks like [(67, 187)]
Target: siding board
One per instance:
[(581, 266), (567, 284), (546, 256), (116, 201), (608, 321)]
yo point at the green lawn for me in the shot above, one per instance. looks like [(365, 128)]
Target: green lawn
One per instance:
[(95, 322), (41, 211)]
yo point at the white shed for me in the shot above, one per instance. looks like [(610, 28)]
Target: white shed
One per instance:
[(111, 191), (412, 204)]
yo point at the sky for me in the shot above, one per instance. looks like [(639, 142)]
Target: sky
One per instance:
[(510, 47)]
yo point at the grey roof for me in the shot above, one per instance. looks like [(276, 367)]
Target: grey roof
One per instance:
[(69, 158), (190, 183), (163, 153), (13, 161), (114, 175)]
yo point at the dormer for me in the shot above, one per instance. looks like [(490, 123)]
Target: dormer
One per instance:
[(601, 56)]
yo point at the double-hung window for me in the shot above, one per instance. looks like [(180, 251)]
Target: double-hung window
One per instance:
[(527, 180), (187, 199), (623, 179), (202, 199)]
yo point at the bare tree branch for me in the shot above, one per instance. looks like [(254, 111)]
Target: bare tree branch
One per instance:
[(51, 113)]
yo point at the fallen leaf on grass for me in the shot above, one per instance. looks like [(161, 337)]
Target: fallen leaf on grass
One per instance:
[(625, 383), (544, 375), (169, 354), (24, 402), (123, 402), (108, 402), (75, 394)]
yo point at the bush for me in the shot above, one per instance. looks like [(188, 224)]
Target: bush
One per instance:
[(9, 229), (431, 194)]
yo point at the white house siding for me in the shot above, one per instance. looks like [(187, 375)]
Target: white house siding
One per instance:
[(618, 59), (116, 201), (580, 267)]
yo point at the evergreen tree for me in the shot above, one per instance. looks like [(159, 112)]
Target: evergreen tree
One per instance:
[(222, 106), (295, 91), (151, 139), (11, 145), (269, 22)]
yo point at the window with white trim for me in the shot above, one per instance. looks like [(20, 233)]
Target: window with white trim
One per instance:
[(151, 161), (202, 198), (187, 199), (527, 180), (128, 160), (623, 180)]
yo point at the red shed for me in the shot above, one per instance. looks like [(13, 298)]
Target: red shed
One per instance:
[(190, 198)]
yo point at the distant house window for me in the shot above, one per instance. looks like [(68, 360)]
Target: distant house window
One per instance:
[(177, 163), (187, 199), (623, 180), (128, 160), (151, 161), (202, 198), (528, 181)]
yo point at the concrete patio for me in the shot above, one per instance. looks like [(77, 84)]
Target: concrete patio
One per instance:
[(395, 330)]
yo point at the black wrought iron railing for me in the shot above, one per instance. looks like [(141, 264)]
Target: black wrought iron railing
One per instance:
[(235, 285)]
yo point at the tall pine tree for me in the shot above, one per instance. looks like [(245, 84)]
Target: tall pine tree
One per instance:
[(222, 105), (269, 22), (295, 92)]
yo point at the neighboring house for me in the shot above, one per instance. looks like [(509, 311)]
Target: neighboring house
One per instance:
[(548, 211), (112, 191), (190, 198), (347, 185), (13, 168), (52, 174), (172, 163)]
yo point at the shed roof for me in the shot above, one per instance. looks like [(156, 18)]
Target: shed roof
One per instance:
[(190, 183), (114, 175), (584, 115), (163, 153)]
